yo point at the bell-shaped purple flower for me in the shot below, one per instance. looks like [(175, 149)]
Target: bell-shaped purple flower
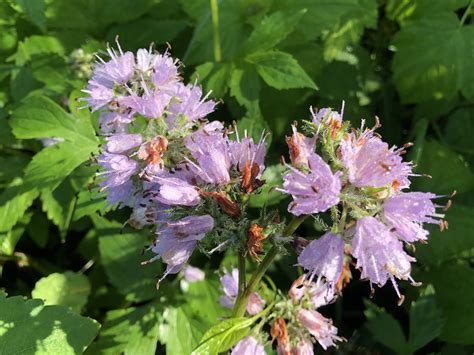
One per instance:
[(406, 213), (189, 104), (114, 122), (255, 304), (248, 346), (165, 72), (245, 150), (175, 191), (120, 68), (324, 257), (121, 195), (319, 292), (150, 105), (120, 143), (230, 287), (99, 95), (193, 274), (370, 161), (210, 148), (177, 240), (315, 191), (303, 347), (379, 253), (319, 327), (118, 169)]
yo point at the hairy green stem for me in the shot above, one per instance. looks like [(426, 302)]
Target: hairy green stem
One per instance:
[(215, 26), (242, 283), (241, 302)]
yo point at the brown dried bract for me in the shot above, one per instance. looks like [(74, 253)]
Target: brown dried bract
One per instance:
[(255, 241), (151, 151), (344, 279), (293, 146), (249, 177), (225, 203), (280, 332)]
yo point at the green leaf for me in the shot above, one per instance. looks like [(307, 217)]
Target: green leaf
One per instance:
[(88, 202), (121, 255), (12, 166), (95, 15), (38, 229), (426, 321), (224, 335), (68, 289), (9, 239), (13, 204), (273, 177), (36, 46), (459, 131), (455, 295), (202, 301), (410, 9), (29, 327), (324, 16), (54, 163), (280, 70), (452, 243), (272, 30), (467, 64), (231, 32), (181, 333), (430, 61), (34, 11), (387, 331), (129, 331), (448, 169), (214, 77), (22, 83), (39, 117), (59, 205), (245, 86), (140, 33)]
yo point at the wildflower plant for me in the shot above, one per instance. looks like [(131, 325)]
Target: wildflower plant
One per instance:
[(190, 180)]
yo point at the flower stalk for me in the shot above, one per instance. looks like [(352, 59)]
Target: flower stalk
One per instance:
[(241, 303)]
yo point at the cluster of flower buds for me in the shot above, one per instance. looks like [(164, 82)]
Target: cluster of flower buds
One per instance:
[(179, 173), (190, 180)]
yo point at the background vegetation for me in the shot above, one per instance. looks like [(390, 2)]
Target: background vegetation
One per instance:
[(411, 62)]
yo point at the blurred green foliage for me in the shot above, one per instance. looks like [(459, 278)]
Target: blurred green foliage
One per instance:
[(410, 62)]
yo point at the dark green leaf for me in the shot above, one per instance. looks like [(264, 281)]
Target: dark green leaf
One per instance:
[(34, 11), (454, 293), (181, 333), (387, 331), (129, 331), (426, 321), (121, 255), (448, 169), (271, 31), (452, 243), (280, 70)]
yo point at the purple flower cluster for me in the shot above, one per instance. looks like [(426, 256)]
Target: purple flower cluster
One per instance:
[(368, 173), (160, 153)]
